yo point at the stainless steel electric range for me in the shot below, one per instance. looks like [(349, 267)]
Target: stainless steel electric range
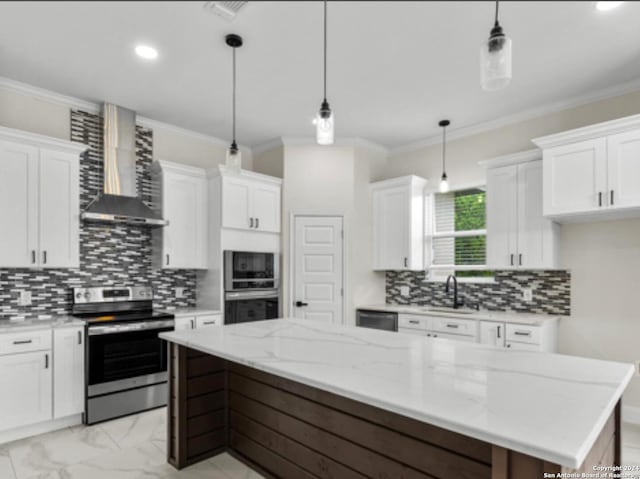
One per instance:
[(126, 362)]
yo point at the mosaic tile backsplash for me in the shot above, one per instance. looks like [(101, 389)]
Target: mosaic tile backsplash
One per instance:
[(551, 291), (110, 255)]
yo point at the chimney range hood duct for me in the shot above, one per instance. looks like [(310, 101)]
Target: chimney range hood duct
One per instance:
[(119, 203)]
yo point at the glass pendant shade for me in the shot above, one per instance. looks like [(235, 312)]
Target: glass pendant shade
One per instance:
[(495, 62), (444, 184), (234, 160), (324, 128)]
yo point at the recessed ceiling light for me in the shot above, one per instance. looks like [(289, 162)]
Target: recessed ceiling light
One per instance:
[(606, 6), (146, 52)]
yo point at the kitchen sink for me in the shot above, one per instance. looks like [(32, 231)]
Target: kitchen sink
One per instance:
[(447, 310)]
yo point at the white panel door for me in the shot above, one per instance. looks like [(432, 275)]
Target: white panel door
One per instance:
[(536, 247), (68, 371), (502, 217), (392, 209), (575, 177), (236, 203), (18, 205), (184, 205), (492, 333), (265, 207), (624, 170), (317, 292), (59, 212), (25, 382)]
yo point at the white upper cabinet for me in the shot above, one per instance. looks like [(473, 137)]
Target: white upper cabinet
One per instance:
[(183, 199), (250, 201), (398, 224), (518, 235), (593, 172), (39, 200)]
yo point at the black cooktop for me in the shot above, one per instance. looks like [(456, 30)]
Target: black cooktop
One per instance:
[(123, 316)]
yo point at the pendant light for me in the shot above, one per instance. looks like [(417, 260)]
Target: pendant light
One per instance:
[(444, 183), (234, 156), (325, 119), (495, 58)]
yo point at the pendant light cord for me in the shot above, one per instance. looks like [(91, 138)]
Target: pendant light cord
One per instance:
[(497, 7), (234, 95), (325, 50)]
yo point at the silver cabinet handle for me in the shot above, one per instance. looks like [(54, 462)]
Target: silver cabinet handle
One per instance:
[(33, 256), (520, 259), (28, 341), (454, 326), (611, 197), (511, 259), (406, 262), (46, 361), (599, 198), (522, 333), (414, 321), (79, 337), (167, 255), (193, 324), (250, 222), (498, 332), (257, 222), (44, 257), (208, 322)]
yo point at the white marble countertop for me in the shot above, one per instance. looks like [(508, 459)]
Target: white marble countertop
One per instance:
[(482, 315), (13, 325), (191, 311), (550, 406)]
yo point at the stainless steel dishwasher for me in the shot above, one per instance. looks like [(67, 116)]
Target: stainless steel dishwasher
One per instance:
[(366, 318)]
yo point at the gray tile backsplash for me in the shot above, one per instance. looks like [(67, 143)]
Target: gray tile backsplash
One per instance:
[(118, 255), (551, 291)]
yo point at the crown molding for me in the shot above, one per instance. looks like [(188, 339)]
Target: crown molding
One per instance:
[(574, 102), (39, 140), (512, 159), (92, 107), (619, 125)]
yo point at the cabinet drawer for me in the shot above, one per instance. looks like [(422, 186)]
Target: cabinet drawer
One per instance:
[(454, 337), (207, 320), (463, 327), (26, 341), (523, 334), (523, 346), (184, 322), (415, 332), (414, 321)]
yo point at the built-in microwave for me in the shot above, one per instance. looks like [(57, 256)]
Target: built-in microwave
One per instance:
[(250, 270)]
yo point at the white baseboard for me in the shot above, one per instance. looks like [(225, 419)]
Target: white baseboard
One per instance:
[(39, 428), (631, 414)]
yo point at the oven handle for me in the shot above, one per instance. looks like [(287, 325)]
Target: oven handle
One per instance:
[(161, 326), (252, 295)]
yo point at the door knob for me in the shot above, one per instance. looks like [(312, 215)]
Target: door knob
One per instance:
[(300, 304)]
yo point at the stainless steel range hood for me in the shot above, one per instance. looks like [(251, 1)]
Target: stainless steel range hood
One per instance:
[(120, 203)]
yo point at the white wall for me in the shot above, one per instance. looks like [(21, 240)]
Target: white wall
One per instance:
[(604, 258), (334, 181)]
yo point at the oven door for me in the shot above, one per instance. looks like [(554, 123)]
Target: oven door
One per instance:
[(250, 306), (123, 356), (248, 270)]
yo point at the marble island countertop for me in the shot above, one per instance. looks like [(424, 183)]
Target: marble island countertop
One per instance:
[(14, 325), (481, 315), (549, 406)]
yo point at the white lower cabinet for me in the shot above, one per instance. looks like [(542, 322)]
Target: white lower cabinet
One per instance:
[(26, 385), (68, 371), (202, 319)]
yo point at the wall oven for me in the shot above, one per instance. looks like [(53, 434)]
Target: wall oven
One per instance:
[(252, 284), (248, 270)]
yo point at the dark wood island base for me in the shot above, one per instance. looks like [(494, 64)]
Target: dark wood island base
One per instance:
[(282, 428)]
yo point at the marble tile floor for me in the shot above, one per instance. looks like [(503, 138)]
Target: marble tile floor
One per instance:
[(134, 448), (128, 448)]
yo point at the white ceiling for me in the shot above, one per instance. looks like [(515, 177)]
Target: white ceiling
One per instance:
[(395, 68)]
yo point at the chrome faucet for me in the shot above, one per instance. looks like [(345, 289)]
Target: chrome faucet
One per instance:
[(456, 303)]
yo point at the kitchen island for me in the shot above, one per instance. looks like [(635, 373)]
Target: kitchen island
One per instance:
[(297, 399)]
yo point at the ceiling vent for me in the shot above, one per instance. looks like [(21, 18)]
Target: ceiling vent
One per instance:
[(226, 10)]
